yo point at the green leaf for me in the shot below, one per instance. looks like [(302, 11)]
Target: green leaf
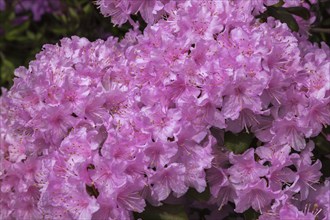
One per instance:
[(6, 70), (12, 16), (203, 196), (322, 150), (30, 35), (325, 168), (284, 16), (299, 11), (87, 9), (61, 18), (73, 14), (321, 143), (11, 35), (238, 143), (59, 30), (164, 212), (250, 214)]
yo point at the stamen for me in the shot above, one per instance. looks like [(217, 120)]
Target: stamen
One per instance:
[(310, 185)]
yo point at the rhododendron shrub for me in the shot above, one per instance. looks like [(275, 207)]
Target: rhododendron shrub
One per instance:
[(96, 130)]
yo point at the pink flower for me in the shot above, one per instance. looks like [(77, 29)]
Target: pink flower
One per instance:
[(308, 175), (288, 131), (258, 196), (120, 10), (107, 175), (245, 170), (38, 8), (130, 198), (76, 144), (320, 199), (160, 154), (221, 188), (55, 122), (276, 154), (290, 211), (243, 94), (166, 179), (316, 115)]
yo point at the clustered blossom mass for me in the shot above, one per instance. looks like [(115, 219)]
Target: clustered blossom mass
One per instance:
[(36, 7), (94, 130)]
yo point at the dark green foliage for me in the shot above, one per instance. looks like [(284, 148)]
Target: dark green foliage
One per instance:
[(320, 30), (204, 196), (250, 214), (164, 212), (238, 143), (284, 16), (322, 151)]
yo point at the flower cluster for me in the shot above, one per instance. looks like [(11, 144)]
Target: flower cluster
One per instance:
[(37, 7), (93, 130), (88, 133), (120, 11), (270, 179)]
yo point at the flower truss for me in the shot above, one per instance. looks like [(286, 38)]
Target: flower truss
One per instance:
[(36, 7), (94, 130)]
